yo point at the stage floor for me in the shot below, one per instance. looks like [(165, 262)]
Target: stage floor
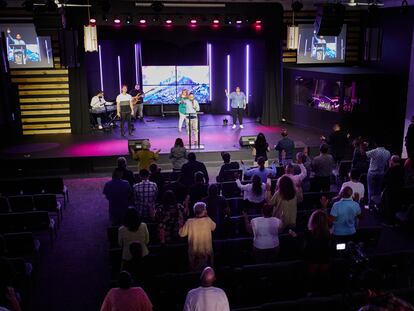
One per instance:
[(162, 133)]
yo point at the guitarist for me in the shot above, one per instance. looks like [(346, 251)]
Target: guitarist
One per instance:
[(138, 102)]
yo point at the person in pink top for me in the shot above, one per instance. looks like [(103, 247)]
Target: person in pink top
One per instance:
[(126, 298)]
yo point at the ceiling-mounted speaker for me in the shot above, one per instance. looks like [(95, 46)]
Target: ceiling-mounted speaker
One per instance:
[(329, 19)]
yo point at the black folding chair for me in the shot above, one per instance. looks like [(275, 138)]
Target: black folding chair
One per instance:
[(4, 205), (21, 203), (48, 203)]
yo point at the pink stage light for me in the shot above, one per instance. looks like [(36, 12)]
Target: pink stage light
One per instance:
[(193, 21), (92, 21), (142, 21), (168, 21), (216, 22), (258, 22), (238, 22), (117, 21)]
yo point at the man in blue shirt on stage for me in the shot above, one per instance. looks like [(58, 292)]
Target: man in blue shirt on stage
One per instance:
[(238, 105)]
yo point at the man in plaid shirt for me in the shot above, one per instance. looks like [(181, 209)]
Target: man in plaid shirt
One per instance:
[(145, 194)]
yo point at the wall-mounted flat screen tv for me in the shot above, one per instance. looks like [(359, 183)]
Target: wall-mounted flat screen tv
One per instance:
[(314, 49), (24, 48), (163, 84)]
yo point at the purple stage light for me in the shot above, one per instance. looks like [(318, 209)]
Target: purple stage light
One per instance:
[(92, 21), (142, 21), (100, 67), (119, 73), (193, 21), (117, 21), (210, 74), (238, 22), (228, 81), (247, 72), (136, 62)]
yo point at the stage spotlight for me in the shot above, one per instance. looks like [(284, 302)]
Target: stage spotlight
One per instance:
[(239, 21), (128, 20), (258, 22), (193, 21), (117, 21), (297, 6), (92, 21), (51, 5), (142, 21), (28, 5), (227, 20), (216, 21), (168, 21), (157, 6)]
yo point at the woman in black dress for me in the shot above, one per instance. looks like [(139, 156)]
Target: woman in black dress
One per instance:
[(260, 147)]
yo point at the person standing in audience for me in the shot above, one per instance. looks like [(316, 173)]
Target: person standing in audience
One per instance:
[(178, 155), (133, 230), (137, 265), (360, 160), (198, 230), (126, 297), (157, 178), (170, 217), (378, 163), (338, 142), (358, 189), (126, 173), (189, 169), (297, 179), (393, 189), (227, 165), (302, 158), (262, 171), (145, 156), (409, 139), (206, 297), (145, 194), (118, 192), (260, 148), (217, 209), (409, 172), (253, 192), (197, 191), (286, 147), (343, 216), (322, 166), (284, 201), (265, 231)]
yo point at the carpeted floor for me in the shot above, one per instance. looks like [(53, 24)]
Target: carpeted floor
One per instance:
[(73, 274)]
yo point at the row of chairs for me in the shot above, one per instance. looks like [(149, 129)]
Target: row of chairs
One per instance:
[(21, 244), (30, 203)]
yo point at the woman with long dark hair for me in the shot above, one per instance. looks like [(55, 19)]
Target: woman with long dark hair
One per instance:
[(178, 154), (132, 230), (253, 192), (284, 201), (260, 147)]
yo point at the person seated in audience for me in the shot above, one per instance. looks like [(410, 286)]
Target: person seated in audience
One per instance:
[(180, 190), (318, 248), (206, 297), (157, 178), (145, 194), (297, 179), (118, 192), (189, 169), (262, 171), (377, 299), (227, 165), (198, 230), (132, 230), (126, 173), (304, 159), (126, 297), (197, 191), (358, 189), (178, 155), (360, 161), (253, 192), (170, 216), (286, 149), (137, 265), (393, 189), (322, 166), (217, 209), (260, 148), (145, 156), (343, 216), (265, 231), (284, 202), (338, 142)]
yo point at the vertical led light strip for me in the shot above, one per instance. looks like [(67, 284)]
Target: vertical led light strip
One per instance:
[(47, 52), (136, 63), (119, 73), (40, 54), (247, 72), (210, 71), (228, 82), (100, 67)]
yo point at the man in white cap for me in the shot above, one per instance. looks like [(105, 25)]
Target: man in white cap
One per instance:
[(207, 297)]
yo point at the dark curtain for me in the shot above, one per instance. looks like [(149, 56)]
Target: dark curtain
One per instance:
[(79, 102)]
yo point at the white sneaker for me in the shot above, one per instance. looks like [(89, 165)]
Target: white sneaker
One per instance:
[(234, 126), (241, 126)]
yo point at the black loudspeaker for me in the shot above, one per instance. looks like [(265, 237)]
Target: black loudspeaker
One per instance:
[(135, 144), (69, 48), (246, 141), (329, 19)]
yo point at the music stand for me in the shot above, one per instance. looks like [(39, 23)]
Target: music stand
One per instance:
[(198, 146)]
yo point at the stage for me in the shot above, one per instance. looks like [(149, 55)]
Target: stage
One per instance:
[(98, 149)]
